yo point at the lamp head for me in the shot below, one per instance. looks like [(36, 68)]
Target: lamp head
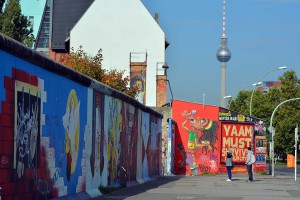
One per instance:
[(256, 84), (227, 97), (283, 67), (165, 67)]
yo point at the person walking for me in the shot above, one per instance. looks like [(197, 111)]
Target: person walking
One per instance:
[(229, 164), (249, 163)]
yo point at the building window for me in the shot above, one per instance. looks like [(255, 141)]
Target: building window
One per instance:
[(31, 21)]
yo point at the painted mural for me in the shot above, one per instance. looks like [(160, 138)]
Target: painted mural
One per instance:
[(139, 81), (71, 123), (114, 120), (153, 147), (129, 143), (59, 137), (27, 127), (240, 131), (94, 138), (196, 145)]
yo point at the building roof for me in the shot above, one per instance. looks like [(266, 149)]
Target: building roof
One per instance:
[(65, 15)]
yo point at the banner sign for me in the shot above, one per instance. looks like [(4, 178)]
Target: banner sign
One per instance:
[(229, 115), (236, 137)]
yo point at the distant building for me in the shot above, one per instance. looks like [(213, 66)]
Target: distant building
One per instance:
[(33, 9), (267, 85), (43, 37), (130, 39)]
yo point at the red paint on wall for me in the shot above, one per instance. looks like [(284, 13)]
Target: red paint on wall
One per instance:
[(204, 133), (196, 138)]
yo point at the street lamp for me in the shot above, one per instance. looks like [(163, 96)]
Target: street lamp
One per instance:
[(225, 97), (242, 90), (273, 132), (164, 67), (254, 88)]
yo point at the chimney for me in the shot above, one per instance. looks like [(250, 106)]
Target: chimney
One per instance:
[(138, 77), (161, 90), (156, 17)]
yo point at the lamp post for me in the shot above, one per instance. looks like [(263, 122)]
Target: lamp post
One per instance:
[(273, 132), (254, 88), (164, 66), (224, 97), (242, 90), (227, 97)]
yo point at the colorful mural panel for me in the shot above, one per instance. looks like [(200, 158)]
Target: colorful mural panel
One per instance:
[(196, 139), (129, 143), (114, 120), (71, 123), (60, 137), (27, 127)]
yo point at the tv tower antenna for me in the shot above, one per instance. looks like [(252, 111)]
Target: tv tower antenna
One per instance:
[(223, 55)]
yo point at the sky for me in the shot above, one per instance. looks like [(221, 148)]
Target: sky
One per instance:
[(262, 35)]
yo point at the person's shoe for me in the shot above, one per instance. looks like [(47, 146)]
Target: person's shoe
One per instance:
[(228, 180)]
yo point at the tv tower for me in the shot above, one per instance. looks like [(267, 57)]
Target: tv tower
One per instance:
[(223, 56)]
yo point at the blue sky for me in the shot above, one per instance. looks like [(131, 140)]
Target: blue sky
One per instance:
[(262, 35)]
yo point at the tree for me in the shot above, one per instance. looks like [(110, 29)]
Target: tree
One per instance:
[(288, 114), (285, 118), (14, 24), (241, 102), (91, 66)]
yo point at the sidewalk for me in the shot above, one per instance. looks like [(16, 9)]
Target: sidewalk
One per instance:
[(212, 187)]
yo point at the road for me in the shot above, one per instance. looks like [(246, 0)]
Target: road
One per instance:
[(214, 187), (282, 170)]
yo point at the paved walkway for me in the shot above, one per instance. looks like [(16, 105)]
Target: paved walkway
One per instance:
[(212, 187)]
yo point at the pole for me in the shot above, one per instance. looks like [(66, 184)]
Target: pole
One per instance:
[(203, 100), (277, 68), (296, 141), (273, 133)]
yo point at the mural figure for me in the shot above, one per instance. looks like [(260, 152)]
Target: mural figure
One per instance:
[(71, 123), (202, 135), (259, 128), (139, 82), (28, 100)]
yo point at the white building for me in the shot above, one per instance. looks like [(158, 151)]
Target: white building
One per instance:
[(125, 31)]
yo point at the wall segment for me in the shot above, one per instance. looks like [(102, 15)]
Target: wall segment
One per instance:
[(63, 133)]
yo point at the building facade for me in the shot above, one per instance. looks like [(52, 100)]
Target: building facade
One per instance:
[(127, 33)]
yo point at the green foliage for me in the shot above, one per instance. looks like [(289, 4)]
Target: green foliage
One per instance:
[(263, 105), (14, 24), (92, 67), (242, 102)]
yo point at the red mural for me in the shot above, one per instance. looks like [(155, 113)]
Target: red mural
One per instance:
[(29, 179), (128, 143), (236, 137), (196, 138)]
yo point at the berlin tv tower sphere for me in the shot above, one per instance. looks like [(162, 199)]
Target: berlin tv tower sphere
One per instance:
[(223, 54)]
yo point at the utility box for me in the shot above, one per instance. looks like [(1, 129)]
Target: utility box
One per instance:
[(290, 161)]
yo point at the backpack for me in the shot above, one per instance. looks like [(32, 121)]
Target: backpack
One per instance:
[(252, 159)]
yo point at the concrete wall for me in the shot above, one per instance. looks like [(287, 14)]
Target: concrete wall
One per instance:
[(121, 27), (63, 133)]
